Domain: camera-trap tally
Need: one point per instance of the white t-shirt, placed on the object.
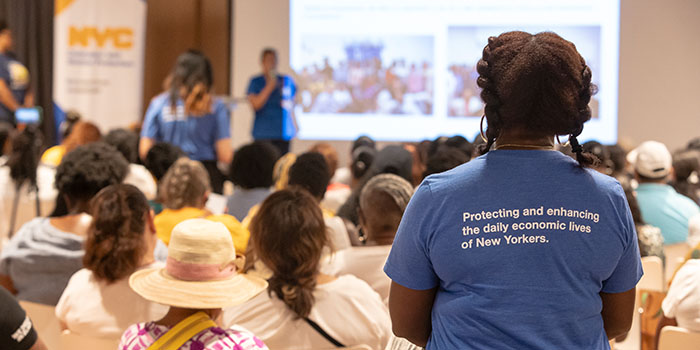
(96, 309)
(142, 179)
(347, 309)
(366, 263)
(337, 233)
(683, 299)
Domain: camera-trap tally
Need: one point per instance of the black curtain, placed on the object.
(31, 23)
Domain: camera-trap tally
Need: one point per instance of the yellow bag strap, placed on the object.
(182, 332)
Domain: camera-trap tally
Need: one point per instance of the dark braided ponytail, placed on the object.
(490, 96)
(535, 83)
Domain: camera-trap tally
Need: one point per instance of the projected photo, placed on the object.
(389, 75)
(465, 45)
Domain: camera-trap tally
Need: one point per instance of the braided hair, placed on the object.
(184, 184)
(538, 83)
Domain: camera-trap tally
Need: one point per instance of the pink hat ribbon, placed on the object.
(199, 272)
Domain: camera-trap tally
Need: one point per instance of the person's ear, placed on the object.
(150, 222)
(205, 198)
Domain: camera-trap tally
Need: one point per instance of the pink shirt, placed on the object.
(141, 335)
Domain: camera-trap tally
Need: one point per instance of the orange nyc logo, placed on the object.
(120, 37)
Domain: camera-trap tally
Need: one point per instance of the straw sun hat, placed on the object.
(200, 272)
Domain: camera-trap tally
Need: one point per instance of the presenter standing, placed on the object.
(14, 80)
(189, 117)
(272, 97)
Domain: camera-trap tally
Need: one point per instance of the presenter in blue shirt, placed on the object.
(272, 97)
(522, 247)
(14, 80)
(188, 116)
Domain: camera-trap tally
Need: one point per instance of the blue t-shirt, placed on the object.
(274, 120)
(196, 135)
(670, 211)
(16, 77)
(519, 245)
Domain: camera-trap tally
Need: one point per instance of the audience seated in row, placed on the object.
(127, 142)
(121, 239)
(659, 203)
(200, 278)
(382, 203)
(40, 258)
(184, 190)
(251, 175)
(288, 235)
(81, 133)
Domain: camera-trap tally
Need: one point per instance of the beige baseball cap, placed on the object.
(651, 159)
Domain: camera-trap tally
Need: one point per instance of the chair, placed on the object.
(653, 278)
(677, 338)
(675, 253)
(45, 322)
(71, 340)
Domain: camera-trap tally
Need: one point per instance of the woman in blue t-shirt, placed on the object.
(522, 247)
(189, 117)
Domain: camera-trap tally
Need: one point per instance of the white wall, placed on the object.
(659, 95)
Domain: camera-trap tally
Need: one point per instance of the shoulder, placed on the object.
(257, 80)
(137, 334)
(348, 286)
(240, 336)
(160, 99)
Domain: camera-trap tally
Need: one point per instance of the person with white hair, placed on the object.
(382, 204)
(660, 204)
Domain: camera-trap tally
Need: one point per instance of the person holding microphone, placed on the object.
(271, 96)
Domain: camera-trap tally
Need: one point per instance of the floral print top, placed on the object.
(141, 335)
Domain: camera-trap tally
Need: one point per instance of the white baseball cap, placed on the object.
(651, 159)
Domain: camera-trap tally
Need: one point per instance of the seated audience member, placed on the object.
(686, 166)
(651, 242)
(184, 191)
(280, 173)
(344, 175)
(98, 301)
(310, 172)
(158, 160)
(303, 308)
(199, 279)
(681, 307)
(39, 260)
(127, 143)
(659, 203)
(390, 160)
(420, 158)
(251, 174)
(81, 133)
(361, 161)
(444, 159)
(20, 175)
(16, 329)
(382, 203)
(337, 193)
(462, 144)
(618, 162)
(601, 152)
(161, 157)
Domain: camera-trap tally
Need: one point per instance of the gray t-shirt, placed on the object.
(40, 259)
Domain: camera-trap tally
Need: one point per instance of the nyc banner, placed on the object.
(98, 59)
